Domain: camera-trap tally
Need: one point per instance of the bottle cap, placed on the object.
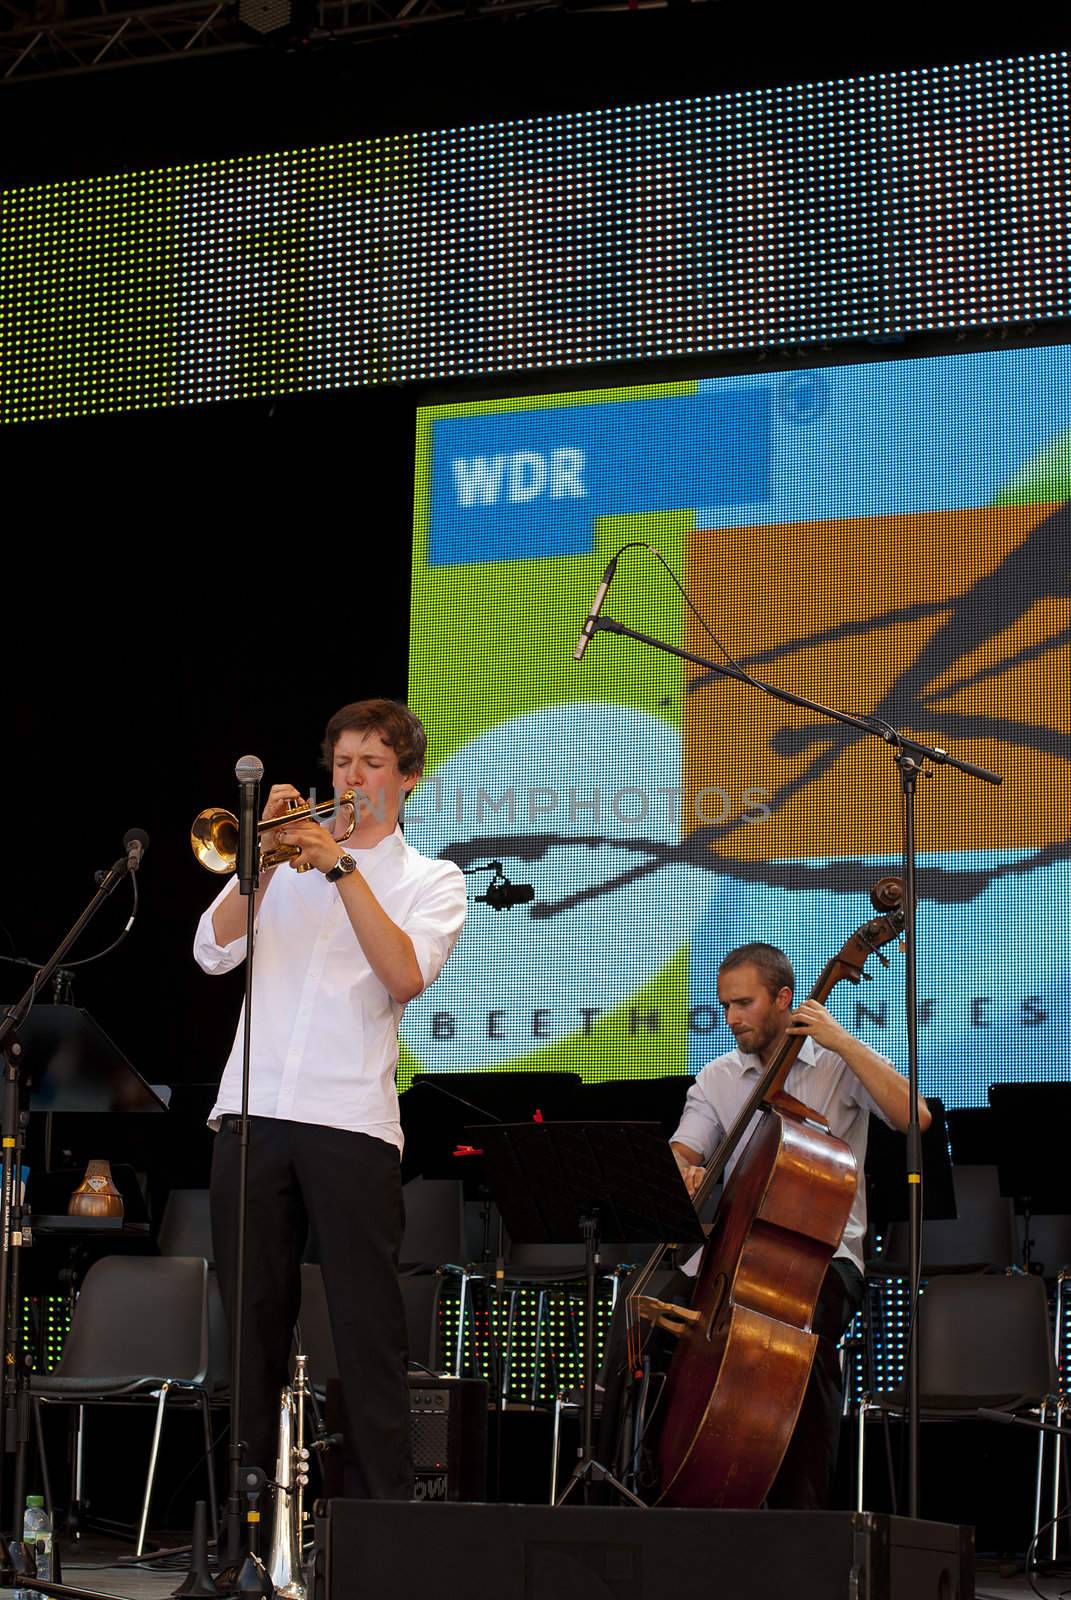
(37, 1501)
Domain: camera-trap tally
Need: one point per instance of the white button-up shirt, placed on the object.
(324, 1036)
(820, 1079)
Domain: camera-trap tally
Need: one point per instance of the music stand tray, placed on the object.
(562, 1182)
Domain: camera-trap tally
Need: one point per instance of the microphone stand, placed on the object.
(236, 1549)
(14, 1387)
(910, 759)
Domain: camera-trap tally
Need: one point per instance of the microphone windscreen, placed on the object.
(250, 769)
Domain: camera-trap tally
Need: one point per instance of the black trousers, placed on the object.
(346, 1188)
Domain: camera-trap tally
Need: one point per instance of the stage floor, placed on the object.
(92, 1564)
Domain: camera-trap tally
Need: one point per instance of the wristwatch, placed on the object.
(342, 868)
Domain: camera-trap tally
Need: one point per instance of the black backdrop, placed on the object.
(183, 588)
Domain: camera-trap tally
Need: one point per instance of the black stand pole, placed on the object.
(14, 1392)
(911, 758)
(587, 1470)
(245, 1480)
(909, 771)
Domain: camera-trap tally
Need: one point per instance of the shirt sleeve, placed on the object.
(855, 1092)
(210, 956)
(700, 1127)
(436, 919)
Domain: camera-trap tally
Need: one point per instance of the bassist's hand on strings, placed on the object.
(878, 1076)
(690, 1165)
(810, 1016)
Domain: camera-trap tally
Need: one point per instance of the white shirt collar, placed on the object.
(752, 1065)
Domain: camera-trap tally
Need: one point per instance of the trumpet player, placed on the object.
(340, 951)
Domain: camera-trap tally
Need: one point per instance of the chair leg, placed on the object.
(1061, 1451)
(555, 1445)
(462, 1308)
(157, 1430)
(79, 1465)
(537, 1357)
(505, 1355)
(1058, 1419)
(210, 1460)
(860, 1449)
(889, 1468)
(46, 1481)
(1042, 1412)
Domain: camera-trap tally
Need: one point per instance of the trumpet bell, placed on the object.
(214, 839)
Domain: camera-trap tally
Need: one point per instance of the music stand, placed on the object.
(886, 1195)
(563, 1182)
(658, 1099)
(437, 1108)
(1030, 1123)
(72, 1065)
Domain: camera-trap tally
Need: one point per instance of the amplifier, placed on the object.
(448, 1429)
(614, 1553)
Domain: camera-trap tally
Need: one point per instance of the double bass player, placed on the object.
(839, 1076)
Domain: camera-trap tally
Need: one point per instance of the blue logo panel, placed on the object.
(520, 484)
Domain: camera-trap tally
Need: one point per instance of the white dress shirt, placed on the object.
(820, 1079)
(324, 1036)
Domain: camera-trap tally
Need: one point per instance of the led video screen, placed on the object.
(897, 202)
(889, 537)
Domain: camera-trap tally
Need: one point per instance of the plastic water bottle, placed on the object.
(37, 1533)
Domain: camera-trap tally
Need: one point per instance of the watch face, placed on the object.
(345, 864)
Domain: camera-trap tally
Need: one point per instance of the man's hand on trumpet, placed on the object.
(317, 846)
(278, 795)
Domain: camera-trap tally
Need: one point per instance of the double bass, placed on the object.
(746, 1346)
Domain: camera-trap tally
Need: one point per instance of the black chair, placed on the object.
(982, 1234)
(139, 1335)
(434, 1224)
(186, 1230)
(984, 1340)
(186, 1225)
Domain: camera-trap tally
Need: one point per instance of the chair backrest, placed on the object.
(982, 1234)
(569, 1258)
(434, 1222)
(140, 1317)
(186, 1225)
(985, 1337)
(1050, 1242)
(420, 1294)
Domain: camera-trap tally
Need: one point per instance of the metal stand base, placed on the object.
(591, 1471)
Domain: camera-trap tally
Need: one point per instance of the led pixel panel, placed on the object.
(888, 537)
(870, 207)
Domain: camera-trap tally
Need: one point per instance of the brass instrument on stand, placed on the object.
(286, 1556)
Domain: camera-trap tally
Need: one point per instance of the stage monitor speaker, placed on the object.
(615, 1553)
(448, 1430)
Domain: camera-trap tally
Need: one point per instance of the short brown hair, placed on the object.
(774, 966)
(396, 725)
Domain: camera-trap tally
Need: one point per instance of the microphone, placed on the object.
(135, 843)
(596, 606)
(501, 896)
(249, 772)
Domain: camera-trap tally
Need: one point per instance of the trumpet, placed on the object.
(214, 834)
(286, 1558)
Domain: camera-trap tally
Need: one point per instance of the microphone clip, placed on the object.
(501, 894)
